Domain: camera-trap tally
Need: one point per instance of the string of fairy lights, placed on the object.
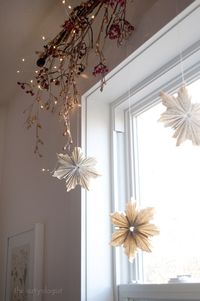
(64, 59)
(67, 7)
(43, 37)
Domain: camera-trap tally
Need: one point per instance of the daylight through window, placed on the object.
(168, 178)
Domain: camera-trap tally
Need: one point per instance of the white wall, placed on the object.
(99, 272)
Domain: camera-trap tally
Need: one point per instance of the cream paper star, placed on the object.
(133, 229)
(76, 169)
(182, 116)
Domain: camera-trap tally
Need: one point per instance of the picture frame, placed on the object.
(24, 264)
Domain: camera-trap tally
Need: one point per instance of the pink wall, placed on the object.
(3, 111)
(28, 196)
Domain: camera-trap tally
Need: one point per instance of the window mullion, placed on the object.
(132, 184)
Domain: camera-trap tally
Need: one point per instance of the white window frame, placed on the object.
(103, 114)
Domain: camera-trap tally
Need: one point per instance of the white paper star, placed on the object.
(182, 116)
(76, 169)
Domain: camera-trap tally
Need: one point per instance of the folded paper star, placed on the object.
(182, 116)
(76, 169)
(133, 229)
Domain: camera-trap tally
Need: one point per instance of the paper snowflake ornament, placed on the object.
(182, 116)
(133, 229)
(76, 169)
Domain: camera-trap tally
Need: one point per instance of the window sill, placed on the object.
(171, 291)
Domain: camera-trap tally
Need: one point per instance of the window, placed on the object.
(108, 123)
(159, 174)
(168, 179)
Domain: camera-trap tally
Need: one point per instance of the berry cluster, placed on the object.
(42, 78)
(68, 25)
(114, 32)
(128, 28)
(100, 69)
(28, 89)
(112, 3)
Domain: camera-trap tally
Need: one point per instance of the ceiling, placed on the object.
(23, 23)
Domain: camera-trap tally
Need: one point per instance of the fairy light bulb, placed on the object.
(63, 1)
(69, 6)
(23, 59)
(85, 76)
(43, 38)
(18, 71)
(45, 170)
(31, 81)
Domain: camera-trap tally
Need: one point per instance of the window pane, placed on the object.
(169, 179)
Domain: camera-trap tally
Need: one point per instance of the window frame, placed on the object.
(141, 91)
(134, 108)
(131, 143)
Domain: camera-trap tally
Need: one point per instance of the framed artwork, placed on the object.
(24, 265)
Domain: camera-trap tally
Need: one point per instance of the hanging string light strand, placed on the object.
(65, 58)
